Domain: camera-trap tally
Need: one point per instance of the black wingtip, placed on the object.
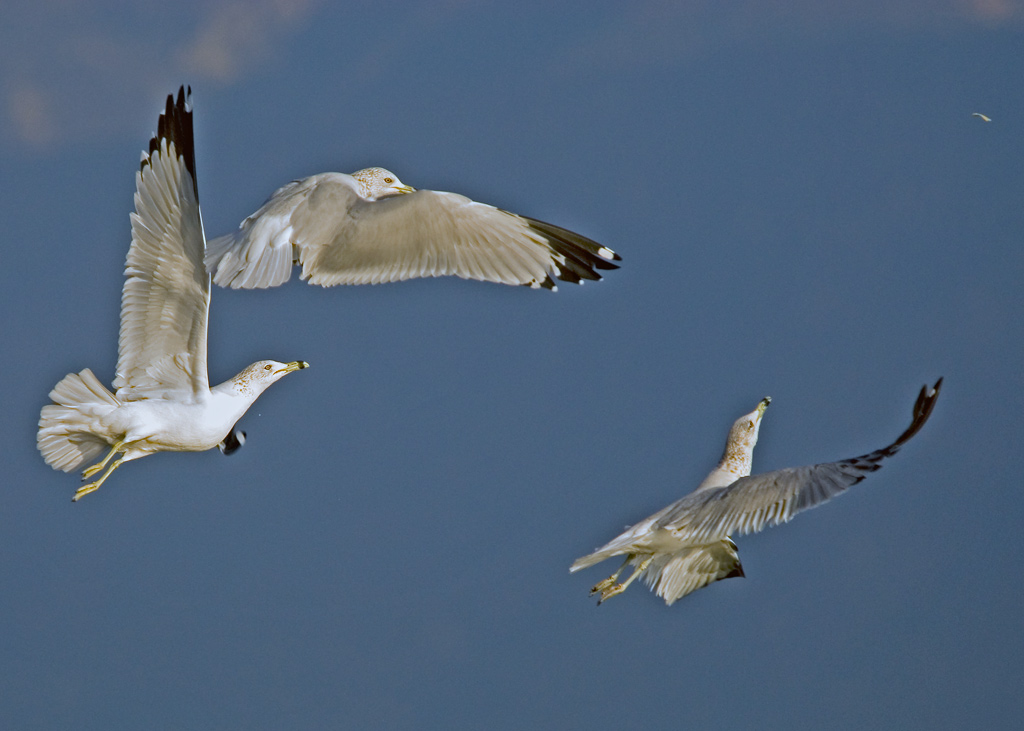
(175, 125)
(923, 408)
(925, 404)
(581, 257)
(736, 573)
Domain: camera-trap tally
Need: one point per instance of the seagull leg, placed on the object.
(615, 589)
(604, 585)
(94, 486)
(90, 471)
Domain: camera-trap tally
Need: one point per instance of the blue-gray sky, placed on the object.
(805, 208)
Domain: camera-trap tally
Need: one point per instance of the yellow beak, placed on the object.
(295, 365)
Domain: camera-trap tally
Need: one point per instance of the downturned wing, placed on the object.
(431, 234)
(752, 503)
(674, 575)
(166, 298)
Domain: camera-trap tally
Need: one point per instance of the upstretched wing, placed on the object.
(341, 238)
(166, 298)
(752, 503)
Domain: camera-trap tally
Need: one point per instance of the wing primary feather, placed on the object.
(172, 127)
(586, 251)
(751, 503)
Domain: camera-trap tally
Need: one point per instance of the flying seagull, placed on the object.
(162, 400)
(980, 116)
(369, 228)
(686, 545)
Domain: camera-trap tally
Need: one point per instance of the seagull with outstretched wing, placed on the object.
(369, 228)
(163, 400)
(687, 545)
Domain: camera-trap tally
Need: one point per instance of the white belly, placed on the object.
(156, 425)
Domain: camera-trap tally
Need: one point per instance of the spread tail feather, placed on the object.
(65, 437)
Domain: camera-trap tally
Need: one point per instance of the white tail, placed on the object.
(65, 438)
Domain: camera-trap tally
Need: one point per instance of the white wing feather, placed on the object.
(166, 297)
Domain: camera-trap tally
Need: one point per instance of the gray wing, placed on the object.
(341, 238)
(752, 503)
(166, 298)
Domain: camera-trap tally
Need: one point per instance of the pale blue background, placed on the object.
(805, 208)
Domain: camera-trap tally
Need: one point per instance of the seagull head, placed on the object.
(376, 183)
(255, 379)
(739, 449)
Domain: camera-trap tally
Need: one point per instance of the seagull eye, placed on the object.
(389, 180)
(267, 367)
